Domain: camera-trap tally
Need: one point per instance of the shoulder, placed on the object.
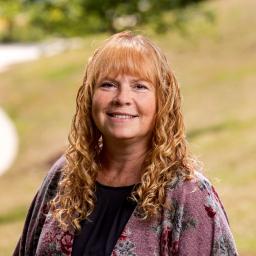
(50, 183)
(197, 184)
(48, 190)
(197, 217)
(55, 170)
(196, 195)
(38, 209)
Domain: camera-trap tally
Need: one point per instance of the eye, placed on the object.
(107, 85)
(140, 87)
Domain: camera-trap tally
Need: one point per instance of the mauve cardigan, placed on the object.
(196, 226)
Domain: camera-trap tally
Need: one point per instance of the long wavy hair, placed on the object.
(168, 156)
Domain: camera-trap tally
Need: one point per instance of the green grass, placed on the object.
(215, 64)
(16, 214)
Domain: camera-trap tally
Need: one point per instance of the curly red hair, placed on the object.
(168, 155)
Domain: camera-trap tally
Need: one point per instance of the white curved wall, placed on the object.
(8, 142)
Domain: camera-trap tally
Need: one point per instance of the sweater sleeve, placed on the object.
(35, 218)
(200, 224)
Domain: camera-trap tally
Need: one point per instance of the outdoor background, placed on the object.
(211, 47)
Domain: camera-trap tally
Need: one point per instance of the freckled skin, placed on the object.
(124, 94)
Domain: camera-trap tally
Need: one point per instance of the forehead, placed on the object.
(113, 62)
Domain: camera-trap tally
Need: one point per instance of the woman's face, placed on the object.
(124, 108)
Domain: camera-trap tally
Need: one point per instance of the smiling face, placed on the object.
(124, 108)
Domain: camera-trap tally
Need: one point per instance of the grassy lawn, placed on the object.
(216, 66)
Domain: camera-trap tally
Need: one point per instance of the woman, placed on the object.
(127, 184)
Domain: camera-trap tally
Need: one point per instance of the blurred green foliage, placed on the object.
(29, 20)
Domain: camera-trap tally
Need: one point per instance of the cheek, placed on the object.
(97, 102)
(100, 102)
(96, 107)
(149, 105)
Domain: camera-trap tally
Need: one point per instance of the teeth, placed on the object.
(122, 116)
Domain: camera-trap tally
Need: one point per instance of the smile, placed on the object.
(121, 115)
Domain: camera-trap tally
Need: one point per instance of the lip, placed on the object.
(110, 113)
(121, 120)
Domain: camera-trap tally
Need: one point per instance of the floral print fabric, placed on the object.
(196, 225)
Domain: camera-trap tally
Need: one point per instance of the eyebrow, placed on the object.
(133, 80)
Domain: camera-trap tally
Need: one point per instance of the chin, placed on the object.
(122, 136)
(121, 133)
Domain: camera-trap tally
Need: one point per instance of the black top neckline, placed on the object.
(129, 187)
(100, 232)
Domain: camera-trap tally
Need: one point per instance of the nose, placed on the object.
(122, 97)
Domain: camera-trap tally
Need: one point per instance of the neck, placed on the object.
(121, 163)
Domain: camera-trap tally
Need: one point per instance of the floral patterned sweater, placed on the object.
(196, 225)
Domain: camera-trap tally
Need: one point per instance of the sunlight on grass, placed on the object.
(16, 214)
(9, 236)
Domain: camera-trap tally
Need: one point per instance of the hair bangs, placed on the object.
(115, 61)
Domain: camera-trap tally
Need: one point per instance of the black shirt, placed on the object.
(100, 233)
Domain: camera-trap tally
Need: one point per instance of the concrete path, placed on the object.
(18, 53)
